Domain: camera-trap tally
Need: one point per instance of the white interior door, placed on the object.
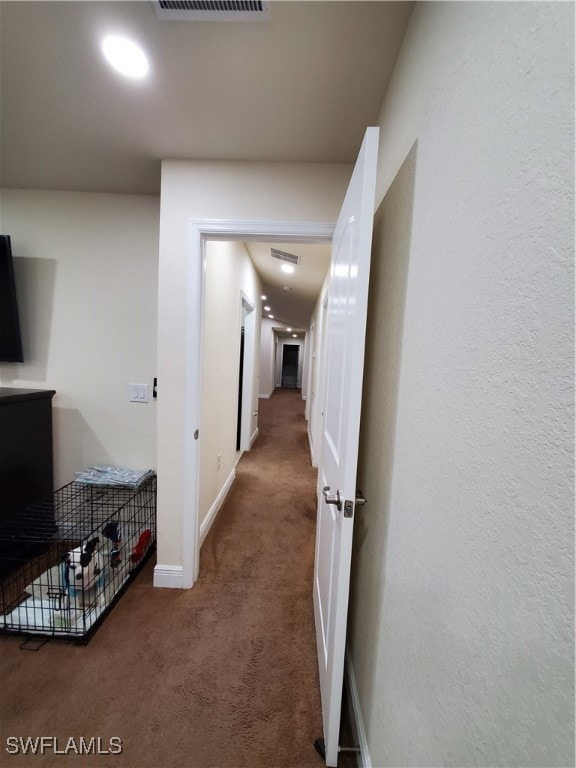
(346, 328)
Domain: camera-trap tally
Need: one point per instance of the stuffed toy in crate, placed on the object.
(84, 573)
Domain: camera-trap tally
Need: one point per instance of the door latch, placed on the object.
(349, 506)
(360, 500)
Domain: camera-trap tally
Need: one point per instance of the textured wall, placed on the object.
(462, 609)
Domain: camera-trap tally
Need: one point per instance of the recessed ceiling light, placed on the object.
(287, 268)
(263, 297)
(295, 335)
(288, 329)
(125, 56)
(271, 317)
(266, 309)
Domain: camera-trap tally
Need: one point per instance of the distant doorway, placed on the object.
(290, 361)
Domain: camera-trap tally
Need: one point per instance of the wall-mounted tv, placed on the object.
(10, 339)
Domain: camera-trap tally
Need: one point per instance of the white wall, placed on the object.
(215, 190)
(87, 270)
(461, 620)
(229, 274)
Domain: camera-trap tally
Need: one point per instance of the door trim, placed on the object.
(199, 231)
(279, 362)
(248, 371)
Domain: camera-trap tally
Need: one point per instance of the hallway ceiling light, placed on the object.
(271, 317)
(288, 329)
(266, 309)
(263, 297)
(125, 57)
(288, 268)
(295, 335)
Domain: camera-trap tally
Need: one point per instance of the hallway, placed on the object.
(221, 675)
(256, 569)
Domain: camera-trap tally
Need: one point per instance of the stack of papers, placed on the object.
(120, 476)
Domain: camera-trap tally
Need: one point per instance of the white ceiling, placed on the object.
(301, 87)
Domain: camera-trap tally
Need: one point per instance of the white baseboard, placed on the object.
(264, 397)
(254, 436)
(171, 576)
(206, 524)
(358, 731)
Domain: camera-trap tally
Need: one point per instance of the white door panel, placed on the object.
(346, 327)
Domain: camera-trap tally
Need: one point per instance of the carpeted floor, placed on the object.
(221, 675)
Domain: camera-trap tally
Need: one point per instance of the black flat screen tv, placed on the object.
(10, 339)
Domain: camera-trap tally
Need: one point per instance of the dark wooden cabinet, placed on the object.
(26, 469)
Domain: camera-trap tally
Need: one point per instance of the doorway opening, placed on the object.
(290, 365)
(199, 234)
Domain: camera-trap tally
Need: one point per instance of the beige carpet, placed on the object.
(221, 675)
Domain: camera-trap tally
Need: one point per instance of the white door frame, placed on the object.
(199, 231)
(247, 435)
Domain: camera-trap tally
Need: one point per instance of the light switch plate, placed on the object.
(139, 393)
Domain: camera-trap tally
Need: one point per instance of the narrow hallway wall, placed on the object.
(229, 274)
(462, 612)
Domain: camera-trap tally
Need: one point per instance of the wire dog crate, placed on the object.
(69, 561)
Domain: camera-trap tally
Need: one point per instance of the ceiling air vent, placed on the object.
(283, 256)
(212, 10)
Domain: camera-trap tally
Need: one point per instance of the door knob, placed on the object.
(332, 499)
